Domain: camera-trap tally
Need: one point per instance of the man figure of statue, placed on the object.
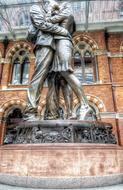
(63, 57)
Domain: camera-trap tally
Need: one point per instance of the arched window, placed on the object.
(20, 73)
(23, 18)
(25, 71)
(121, 9)
(85, 64)
(14, 116)
(89, 68)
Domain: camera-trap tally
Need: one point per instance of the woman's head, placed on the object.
(53, 7)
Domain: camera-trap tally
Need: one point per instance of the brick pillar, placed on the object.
(6, 74)
(121, 131)
(119, 103)
(2, 133)
(117, 69)
(2, 128)
(103, 68)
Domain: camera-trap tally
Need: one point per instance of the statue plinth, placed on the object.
(60, 131)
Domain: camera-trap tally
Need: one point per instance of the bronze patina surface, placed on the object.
(50, 31)
(60, 131)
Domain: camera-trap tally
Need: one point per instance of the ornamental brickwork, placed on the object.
(105, 94)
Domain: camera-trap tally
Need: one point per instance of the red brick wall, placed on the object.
(121, 130)
(117, 69)
(103, 69)
(119, 98)
(114, 41)
(102, 91)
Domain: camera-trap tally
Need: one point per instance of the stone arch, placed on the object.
(10, 104)
(86, 39)
(18, 46)
(94, 101)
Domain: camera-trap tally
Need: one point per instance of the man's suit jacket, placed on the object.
(42, 30)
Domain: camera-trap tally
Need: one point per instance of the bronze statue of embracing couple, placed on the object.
(52, 26)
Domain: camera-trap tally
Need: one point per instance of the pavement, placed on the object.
(114, 187)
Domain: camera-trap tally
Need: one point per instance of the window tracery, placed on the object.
(85, 63)
(20, 70)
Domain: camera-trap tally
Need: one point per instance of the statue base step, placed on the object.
(61, 165)
(61, 182)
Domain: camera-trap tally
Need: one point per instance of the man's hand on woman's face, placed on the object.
(54, 12)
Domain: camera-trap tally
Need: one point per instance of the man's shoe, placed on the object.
(84, 111)
(30, 117)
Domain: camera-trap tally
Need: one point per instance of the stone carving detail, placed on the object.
(96, 134)
(63, 132)
(39, 135)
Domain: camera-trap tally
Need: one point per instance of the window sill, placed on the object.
(18, 85)
(95, 84)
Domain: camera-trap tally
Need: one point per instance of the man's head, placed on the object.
(52, 6)
(44, 3)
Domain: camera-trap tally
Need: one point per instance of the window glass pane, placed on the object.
(78, 66)
(78, 73)
(89, 72)
(89, 67)
(25, 71)
(16, 72)
(87, 54)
